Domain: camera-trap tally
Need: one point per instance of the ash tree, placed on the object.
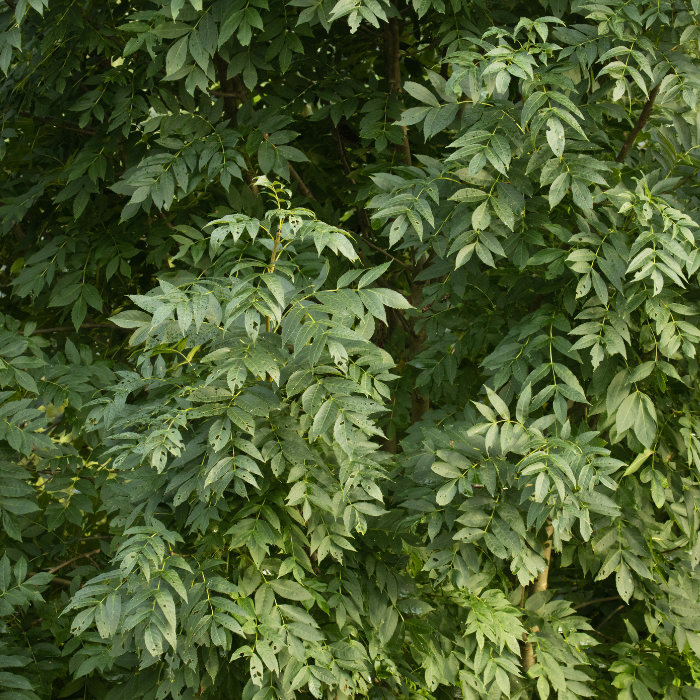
(349, 349)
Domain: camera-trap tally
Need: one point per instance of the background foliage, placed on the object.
(349, 349)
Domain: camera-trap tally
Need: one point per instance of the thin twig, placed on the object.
(375, 37)
(412, 334)
(302, 186)
(361, 213)
(227, 90)
(615, 611)
(346, 165)
(70, 561)
(641, 123)
(388, 254)
(231, 113)
(55, 579)
(162, 215)
(685, 179)
(597, 600)
(67, 126)
(63, 329)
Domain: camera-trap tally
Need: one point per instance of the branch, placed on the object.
(55, 579)
(162, 215)
(361, 213)
(597, 600)
(344, 160)
(641, 123)
(411, 333)
(68, 126)
(387, 253)
(63, 329)
(218, 93)
(228, 92)
(234, 89)
(614, 612)
(685, 179)
(369, 33)
(70, 561)
(302, 186)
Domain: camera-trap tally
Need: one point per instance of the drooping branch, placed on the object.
(641, 123)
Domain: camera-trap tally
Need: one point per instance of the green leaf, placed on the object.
(481, 217)
(172, 577)
(325, 417)
(12, 680)
(582, 196)
(112, 612)
(637, 462)
(289, 589)
(627, 413)
(555, 136)
(198, 53)
(421, 93)
(307, 632)
(559, 188)
(78, 312)
(177, 55)
(373, 274)
(387, 297)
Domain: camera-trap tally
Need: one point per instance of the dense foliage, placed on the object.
(349, 349)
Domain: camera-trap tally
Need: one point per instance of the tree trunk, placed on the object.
(393, 67)
(540, 584)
